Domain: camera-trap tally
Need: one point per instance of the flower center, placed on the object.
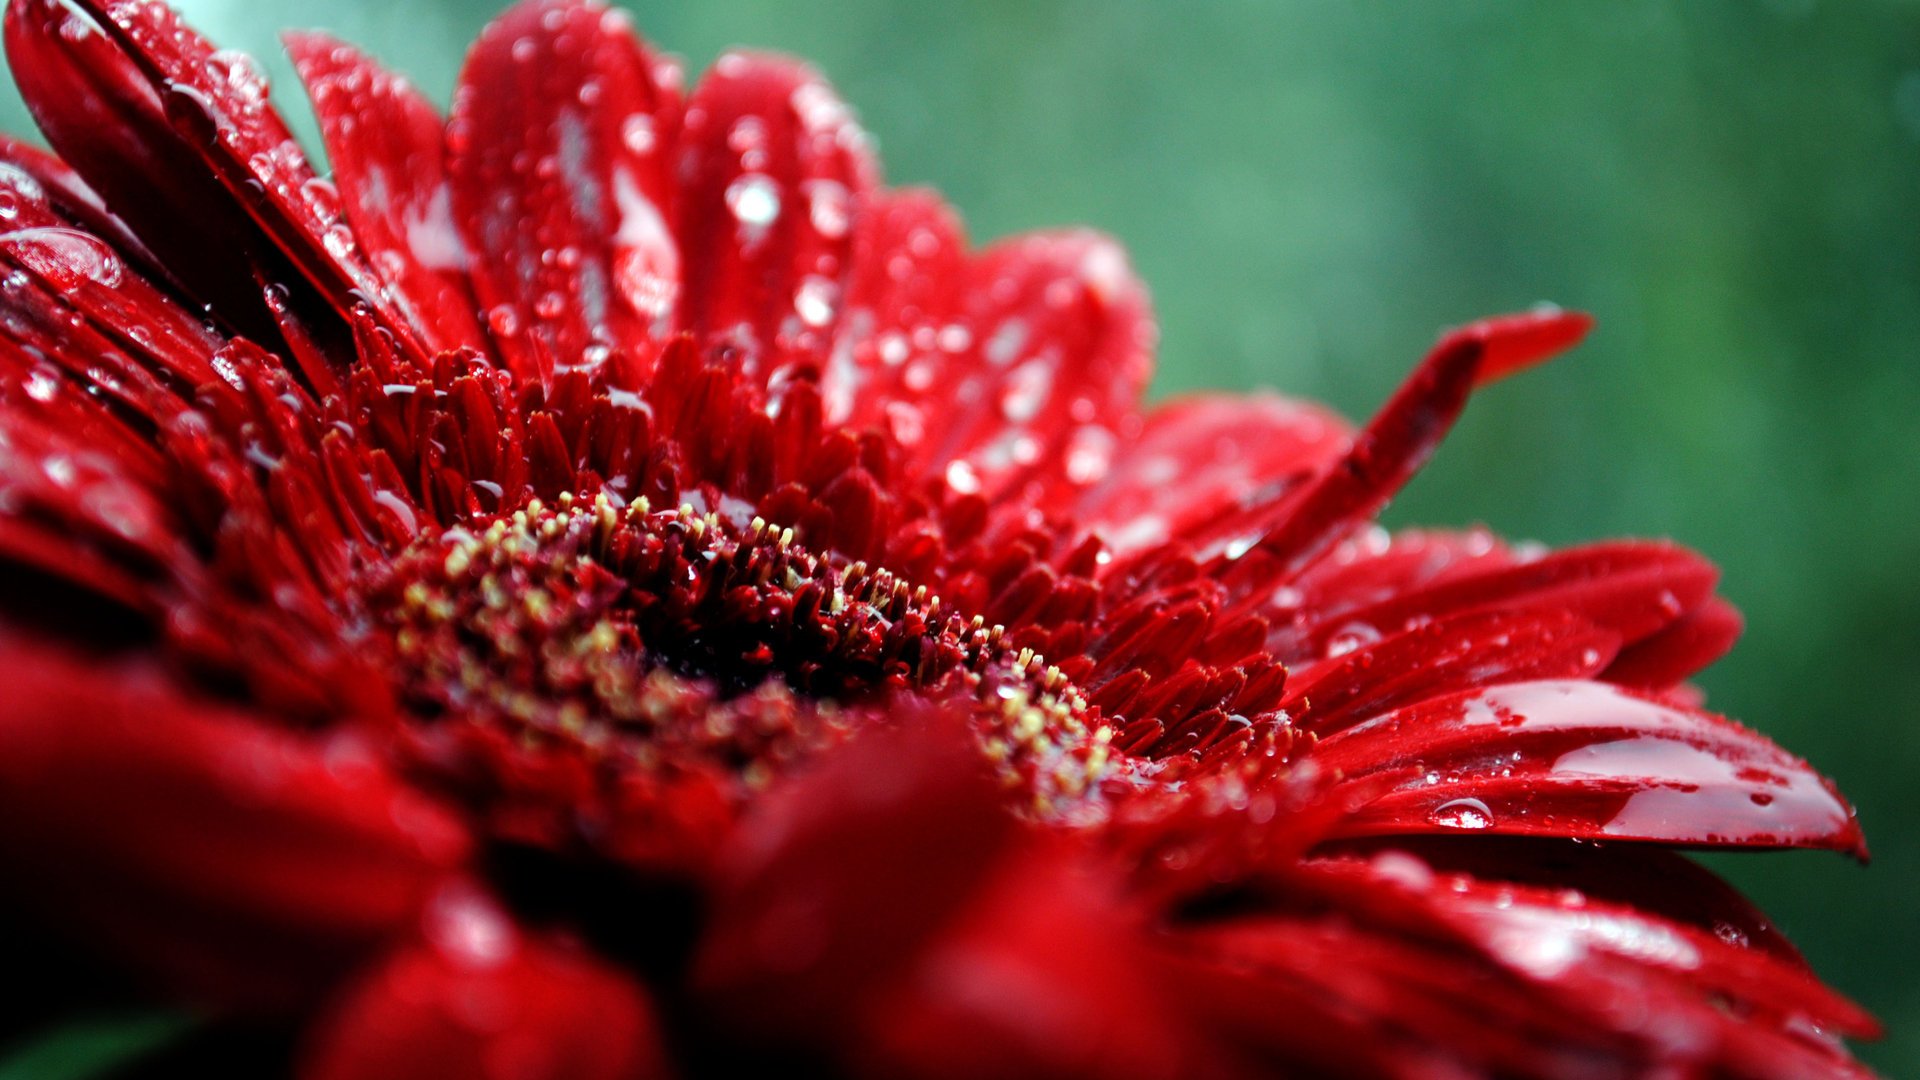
(653, 637)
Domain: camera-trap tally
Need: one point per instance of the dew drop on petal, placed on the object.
(1462, 814)
(754, 200)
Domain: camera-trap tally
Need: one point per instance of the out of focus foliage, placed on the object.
(1314, 189)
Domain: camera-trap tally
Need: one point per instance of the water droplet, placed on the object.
(339, 241)
(962, 479)
(504, 320)
(816, 300)
(754, 200)
(638, 133)
(829, 207)
(1462, 814)
(65, 258)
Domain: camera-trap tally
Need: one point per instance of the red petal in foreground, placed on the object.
(561, 139)
(476, 999)
(1584, 759)
(263, 862)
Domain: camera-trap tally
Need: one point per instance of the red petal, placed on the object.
(837, 881)
(476, 1000)
(1402, 436)
(1631, 588)
(1202, 455)
(85, 276)
(232, 860)
(1663, 660)
(1041, 977)
(105, 120)
(774, 175)
(1463, 652)
(385, 141)
(909, 255)
(562, 134)
(1053, 348)
(1585, 759)
(204, 114)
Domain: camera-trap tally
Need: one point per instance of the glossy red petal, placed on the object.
(1050, 352)
(1402, 436)
(1449, 655)
(1584, 759)
(386, 144)
(478, 998)
(240, 863)
(81, 275)
(74, 200)
(560, 151)
(204, 114)
(1662, 661)
(1200, 456)
(909, 254)
(1630, 588)
(774, 175)
(110, 126)
(1429, 973)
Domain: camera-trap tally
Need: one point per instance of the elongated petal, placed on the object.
(909, 253)
(1200, 456)
(1444, 657)
(774, 173)
(479, 998)
(1583, 759)
(1630, 588)
(1051, 351)
(238, 862)
(1403, 435)
(202, 114)
(1685, 646)
(560, 145)
(1434, 973)
(105, 121)
(386, 143)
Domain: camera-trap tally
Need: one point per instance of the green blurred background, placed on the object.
(1314, 189)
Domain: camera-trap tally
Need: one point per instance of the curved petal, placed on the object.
(1662, 660)
(1290, 534)
(111, 127)
(236, 861)
(1631, 588)
(386, 144)
(1203, 455)
(559, 151)
(909, 253)
(230, 162)
(1585, 759)
(1447, 656)
(477, 998)
(1427, 973)
(835, 882)
(774, 173)
(1051, 349)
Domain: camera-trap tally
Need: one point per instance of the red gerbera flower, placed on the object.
(604, 588)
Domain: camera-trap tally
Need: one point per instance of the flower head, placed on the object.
(603, 585)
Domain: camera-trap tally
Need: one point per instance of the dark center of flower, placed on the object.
(647, 636)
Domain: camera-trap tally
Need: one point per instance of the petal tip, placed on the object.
(1513, 343)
